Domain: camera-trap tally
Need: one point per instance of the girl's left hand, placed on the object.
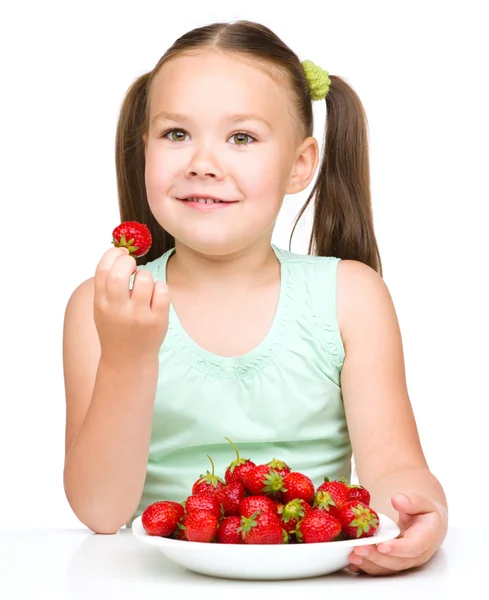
(423, 528)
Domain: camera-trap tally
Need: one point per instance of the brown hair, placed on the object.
(343, 222)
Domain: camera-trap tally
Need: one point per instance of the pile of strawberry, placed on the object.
(264, 504)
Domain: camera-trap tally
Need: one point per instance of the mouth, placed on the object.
(206, 200)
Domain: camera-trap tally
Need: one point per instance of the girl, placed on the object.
(217, 332)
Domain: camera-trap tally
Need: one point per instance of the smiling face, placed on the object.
(221, 127)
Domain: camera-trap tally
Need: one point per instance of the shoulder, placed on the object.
(83, 292)
(80, 304)
(363, 299)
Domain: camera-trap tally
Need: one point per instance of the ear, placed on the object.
(304, 167)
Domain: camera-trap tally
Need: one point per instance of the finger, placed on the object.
(415, 541)
(102, 271)
(118, 292)
(142, 289)
(370, 568)
(375, 561)
(413, 503)
(160, 301)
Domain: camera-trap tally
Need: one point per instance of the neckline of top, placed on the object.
(231, 366)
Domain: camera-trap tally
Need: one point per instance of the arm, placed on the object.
(108, 422)
(382, 427)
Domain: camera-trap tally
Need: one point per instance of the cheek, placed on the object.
(263, 174)
(157, 178)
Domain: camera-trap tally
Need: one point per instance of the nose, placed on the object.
(204, 164)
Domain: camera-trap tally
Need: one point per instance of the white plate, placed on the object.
(255, 561)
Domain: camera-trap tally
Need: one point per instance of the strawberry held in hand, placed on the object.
(134, 236)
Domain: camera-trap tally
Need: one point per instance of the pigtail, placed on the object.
(130, 167)
(343, 221)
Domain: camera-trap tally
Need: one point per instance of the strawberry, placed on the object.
(228, 531)
(262, 528)
(257, 504)
(160, 518)
(318, 526)
(280, 466)
(200, 526)
(230, 497)
(360, 493)
(180, 533)
(331, 496)
(208, 483)
(297, 486)
(178, 507)
(334, 493)
(238, 467)
(293, 512)
(358, 520)
(263, 480)
(134, 236)
(204, 501)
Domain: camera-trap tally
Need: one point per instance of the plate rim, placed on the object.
(170, 543)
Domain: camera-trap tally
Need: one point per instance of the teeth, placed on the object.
(203, 200)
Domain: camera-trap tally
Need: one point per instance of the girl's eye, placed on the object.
(240, 138)
(176, 135)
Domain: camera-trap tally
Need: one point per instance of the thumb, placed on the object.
(412, 503)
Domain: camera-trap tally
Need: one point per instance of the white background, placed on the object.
(420, 70)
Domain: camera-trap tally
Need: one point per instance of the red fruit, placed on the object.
(257, 504)
(318, 526)
(228, 531)
(238, 467)
(178, 507)
(204, 501)
(134, 236)
(263, 528)
(298, 486)
(293, 512)
(160, 518)
(263, 480)
(360, 494)
(200, 526)
(230, 497)
(208, 483)
(280, 466)
(336, 493)
(180, 533)
(358, 520)
(323, 501)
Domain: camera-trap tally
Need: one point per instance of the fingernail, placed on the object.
(402, 499)
(384, 549)
(362, 551)
(356, 560)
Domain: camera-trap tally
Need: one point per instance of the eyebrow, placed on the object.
(239, 118)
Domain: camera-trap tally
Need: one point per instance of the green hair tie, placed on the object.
(318, 80)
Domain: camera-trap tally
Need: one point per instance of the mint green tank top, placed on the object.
(280, 400)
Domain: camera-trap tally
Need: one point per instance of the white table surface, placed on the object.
(76, 563)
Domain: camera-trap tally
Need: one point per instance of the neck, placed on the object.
(193, 270)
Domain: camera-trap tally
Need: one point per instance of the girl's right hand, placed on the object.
(131, 324)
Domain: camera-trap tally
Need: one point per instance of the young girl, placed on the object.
(217, 333)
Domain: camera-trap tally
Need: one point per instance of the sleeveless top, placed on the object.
(281, 400)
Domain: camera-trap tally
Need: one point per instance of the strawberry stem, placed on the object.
(212, 465)
(234, 446)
